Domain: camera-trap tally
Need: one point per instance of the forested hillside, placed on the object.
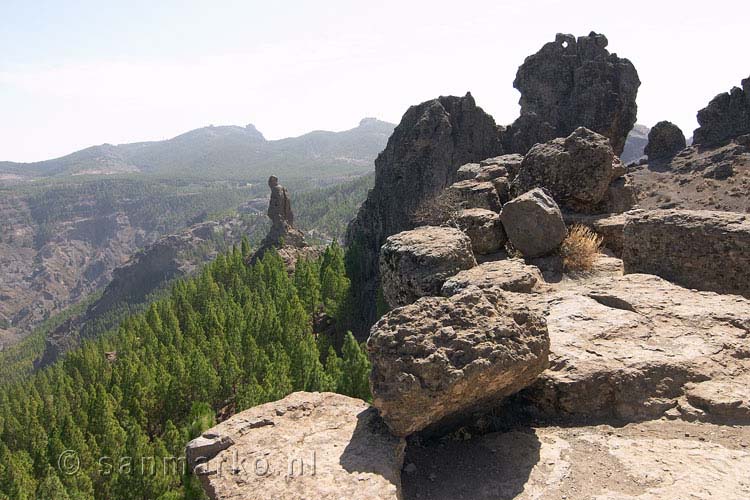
(230, 338)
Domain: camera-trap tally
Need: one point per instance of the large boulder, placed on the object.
(420, 160)
(440, 359)
(307, 445)
(695, 248)
(727, 116)
(483, 228)
(573, 83)
(416, 263)
(533, 223)
(664, 141)
(576, 170)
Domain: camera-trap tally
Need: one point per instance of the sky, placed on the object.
(78, 73)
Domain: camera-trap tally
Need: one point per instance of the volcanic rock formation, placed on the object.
(727, 116)
(433, 139)
(571, 83)
(288, 241)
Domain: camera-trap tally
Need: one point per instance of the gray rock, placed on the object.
(416, 263)
(533, 223)
(719, 172)
(621, 196)
(483, 228)
(664, 141)
(727, 116)
(576, 170)
(440, 359)
(420, 160)
(695, 248)
(473, 193)
(573, 83)
(467, 172)
(511, 163)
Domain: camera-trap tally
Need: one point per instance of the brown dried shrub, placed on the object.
(579, 249)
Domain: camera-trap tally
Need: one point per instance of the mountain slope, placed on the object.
(225, 151)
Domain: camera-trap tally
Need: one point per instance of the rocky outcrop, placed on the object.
(727, 116)
(421, 159)
(697, 178)
(664, 141)
(573, 83)
(282, 232)
(436, 361)
(533, 223)
(416, 263)
(288, 241)
(307, 445)
(511, 275)
(483, 228)
(698, 249)
(634, 347)
(576, 170)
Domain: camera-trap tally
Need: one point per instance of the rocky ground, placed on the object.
(518, 358)
(648, 460)
(715, 178)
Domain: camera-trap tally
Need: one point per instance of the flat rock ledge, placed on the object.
(305, 446)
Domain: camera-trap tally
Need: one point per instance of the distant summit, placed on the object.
(225, 152)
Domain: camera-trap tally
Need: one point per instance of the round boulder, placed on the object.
(484, 229)
(664, 141)
(533, 223)
(416, 263)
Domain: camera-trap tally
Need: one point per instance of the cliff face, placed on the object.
(421, 158)
(147, 271)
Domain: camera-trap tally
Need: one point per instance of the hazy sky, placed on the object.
(77, 73)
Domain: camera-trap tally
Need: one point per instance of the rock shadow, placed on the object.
(372, 448)
(495, 466)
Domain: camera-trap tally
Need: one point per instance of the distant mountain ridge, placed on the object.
(225, 151)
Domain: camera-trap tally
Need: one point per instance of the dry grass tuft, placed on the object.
(579, 249)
